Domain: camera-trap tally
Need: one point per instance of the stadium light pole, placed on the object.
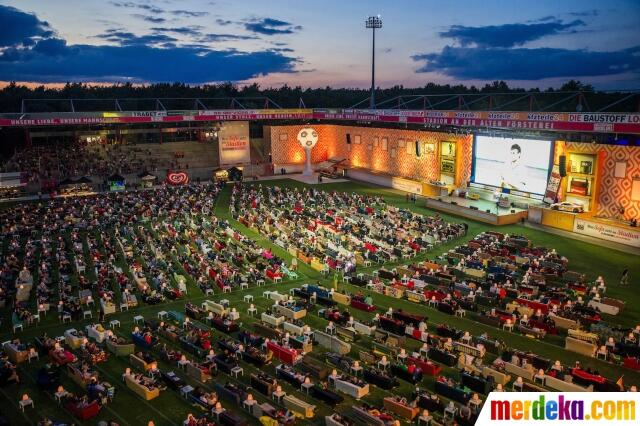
(373, 22)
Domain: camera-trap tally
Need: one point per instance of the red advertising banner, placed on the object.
(552, 121)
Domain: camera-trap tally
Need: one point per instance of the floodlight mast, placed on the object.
(373, 22)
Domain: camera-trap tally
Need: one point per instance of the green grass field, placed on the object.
(171, 409)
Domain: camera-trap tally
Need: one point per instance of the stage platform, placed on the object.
(309, 180)
(484, 209)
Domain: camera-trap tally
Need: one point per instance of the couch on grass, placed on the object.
(580, 346)
(139, 363)
(272, 320)
(292, 314)
(352, 389)
(400, 408)
(83, 411)
(299, 406)
(200, 374)
(564, 386)
(331, 342)
(141, 390)
(363, 416)
(72, 338)
(118, 349)
(216, 308)
(498, 376)
(15, 354)
(96, 332)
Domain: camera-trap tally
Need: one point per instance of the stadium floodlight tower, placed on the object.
(373, 22)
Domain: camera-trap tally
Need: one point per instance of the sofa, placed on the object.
(289, 313)
(341, 298)
(232, 393)
(288, 356)
(326, 395)
(452, 392)
(194, 370)
(498, 376)
(564, 386)
(429, 368)
(364, 329)
(526, 373)
(400, 408)
(188, 346)
(76, 375)
(141, 390)
(263, 384)
(347, 333)
(380, 378)
(15, 355)
(120, 349)
(61, 356)
(299, 406)
(72, 338)
(83, 412)
(408, 373)
(564, 323)
(294, 329)
(227, 418)
(139, 363)
(331, 342)
(476, 383)
(580, 346)
(352, 389)
(225, 364)
(362, 416)
(314, 368)
(442, 356)
(96, 332)
(216, 308)
(272, 319)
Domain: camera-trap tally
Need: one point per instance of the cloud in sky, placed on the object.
(21, 27)
(493, 63)
(125, 38)
(132, 5)
(508, 35)
(151, 57)
(152, 19)
(192, 30)
(271, 26)
(60, 63)
(189, 13)
(210, 38)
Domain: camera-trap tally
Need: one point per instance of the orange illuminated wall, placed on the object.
(612, 192)
(389, 151)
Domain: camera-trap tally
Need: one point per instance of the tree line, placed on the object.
(215, 96)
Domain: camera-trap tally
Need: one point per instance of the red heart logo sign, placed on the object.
(177, 178)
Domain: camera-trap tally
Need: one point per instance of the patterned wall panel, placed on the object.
(369, 152)
(614, 193)
(466, 158)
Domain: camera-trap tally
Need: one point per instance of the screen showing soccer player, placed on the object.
(514, 164)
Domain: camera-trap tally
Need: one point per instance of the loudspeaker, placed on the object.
(488, 211)
(513, 211)
(473, 207)
(563, 165)
(418, 149)
(349, 138)
(454, 203)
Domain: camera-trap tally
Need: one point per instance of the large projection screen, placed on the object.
(511, 163)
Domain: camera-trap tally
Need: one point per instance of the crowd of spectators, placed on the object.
(56, 162)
